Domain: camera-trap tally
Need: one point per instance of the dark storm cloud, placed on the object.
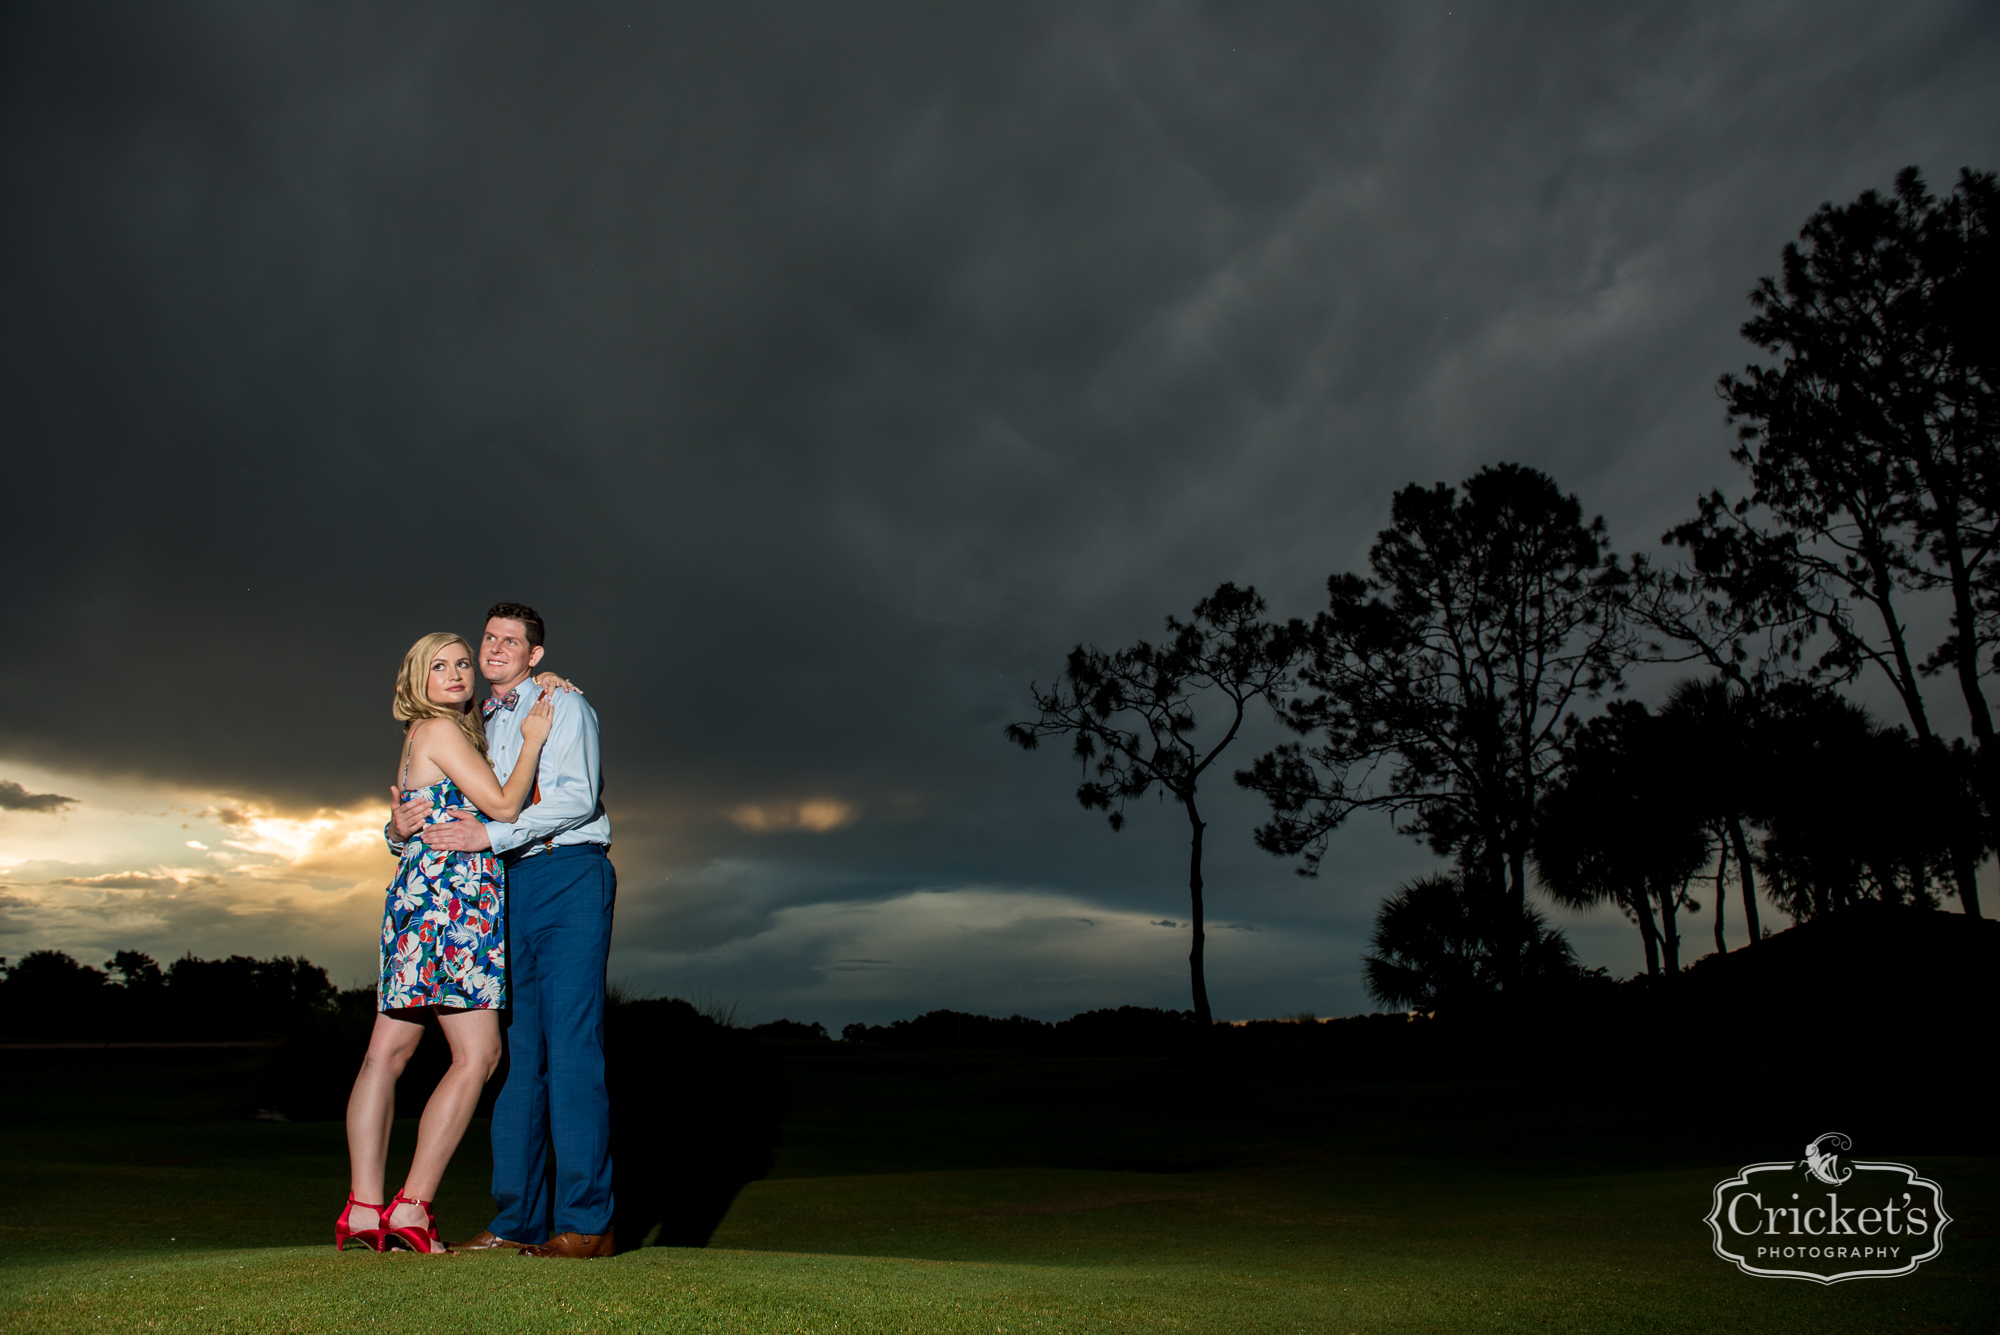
(13, 797)
(823, 372)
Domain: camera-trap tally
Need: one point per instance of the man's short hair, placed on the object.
(522, 613)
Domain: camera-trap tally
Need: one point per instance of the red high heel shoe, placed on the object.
(409, 1237)
(367, 1237)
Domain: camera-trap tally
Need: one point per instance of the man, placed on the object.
(560, 891)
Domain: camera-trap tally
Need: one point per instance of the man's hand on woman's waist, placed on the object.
(463, 833)
(406, 815)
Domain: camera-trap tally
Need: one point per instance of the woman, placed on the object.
(443, 945)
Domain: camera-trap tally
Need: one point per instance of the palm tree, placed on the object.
(1712, 723)
(1441, 944)
(1620, 828)
(1859, 811)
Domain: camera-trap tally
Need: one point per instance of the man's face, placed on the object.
(504, 654)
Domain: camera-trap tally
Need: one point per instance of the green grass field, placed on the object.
(155, 1210)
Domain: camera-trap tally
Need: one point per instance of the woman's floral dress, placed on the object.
(444, 932)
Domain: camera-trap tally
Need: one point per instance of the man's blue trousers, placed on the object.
(558, 934)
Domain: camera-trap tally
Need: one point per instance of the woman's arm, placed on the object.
(449, 750)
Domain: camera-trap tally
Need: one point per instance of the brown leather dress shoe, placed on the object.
(576, 1246)
(486, 1242)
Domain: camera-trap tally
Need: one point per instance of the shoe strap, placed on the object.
(430, 1215)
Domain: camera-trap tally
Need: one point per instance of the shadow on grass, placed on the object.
(697, 1108)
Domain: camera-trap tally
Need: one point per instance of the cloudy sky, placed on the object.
(823, 373)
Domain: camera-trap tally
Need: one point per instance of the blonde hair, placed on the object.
(413, 703)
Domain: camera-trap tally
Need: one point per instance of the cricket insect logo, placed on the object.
(1821, 1163)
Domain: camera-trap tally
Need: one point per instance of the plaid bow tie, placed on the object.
(495, 703)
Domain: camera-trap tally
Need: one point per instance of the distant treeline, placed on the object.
(1894, 975)
(956, 1029)
(1900, 964)
(49, 996)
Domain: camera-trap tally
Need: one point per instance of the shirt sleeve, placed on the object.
(396, 846)
(569, 778)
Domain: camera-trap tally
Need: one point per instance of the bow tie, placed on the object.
(495, 703)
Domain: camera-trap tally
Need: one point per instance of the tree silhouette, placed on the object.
(1442, 681)
(137, 973)
(1872, 460)
(1751, 641)
(1711, 725)
(1131, 715)
(1622, 827)
(50, 994)
(1443, 947)
(1864, 812)
(47, 994)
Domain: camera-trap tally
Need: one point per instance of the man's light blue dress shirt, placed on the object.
(571, 809)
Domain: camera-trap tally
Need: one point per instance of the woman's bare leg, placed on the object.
(371, 1110)
(475, 1052)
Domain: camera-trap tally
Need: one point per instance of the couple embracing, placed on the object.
(498, 923)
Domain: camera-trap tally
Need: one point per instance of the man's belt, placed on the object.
(535, 846)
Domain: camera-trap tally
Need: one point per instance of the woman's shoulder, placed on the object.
(434, 730)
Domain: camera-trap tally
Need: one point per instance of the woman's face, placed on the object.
(450, 680)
